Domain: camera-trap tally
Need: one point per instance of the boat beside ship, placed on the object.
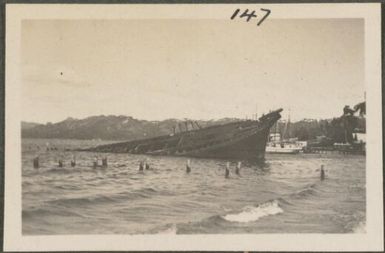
(278, 146)
(284, 144)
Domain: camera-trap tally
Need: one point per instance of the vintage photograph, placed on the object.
(159, 126)
(247, 124)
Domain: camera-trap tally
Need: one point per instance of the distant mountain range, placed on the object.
(28, 125)
(122, 128)
(108, 128)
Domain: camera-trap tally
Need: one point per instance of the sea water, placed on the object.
(284, 195)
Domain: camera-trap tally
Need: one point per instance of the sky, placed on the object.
(197, 69)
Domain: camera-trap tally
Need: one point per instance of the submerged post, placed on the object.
(36, 162)
(322, 172)
(188, 168)
(95, 163)
(238, 168)
(141, 166)
(73, 161)
(227, 173)
(104, 162)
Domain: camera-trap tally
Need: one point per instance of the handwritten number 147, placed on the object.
(251, 15)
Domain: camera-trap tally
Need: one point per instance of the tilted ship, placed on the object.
(244, 140)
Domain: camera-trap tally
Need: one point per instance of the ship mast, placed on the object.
(288, 125)
(285, 132)
(256, 111)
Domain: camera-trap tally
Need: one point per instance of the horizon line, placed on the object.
(178, 119)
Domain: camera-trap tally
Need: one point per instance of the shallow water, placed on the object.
(285, 195)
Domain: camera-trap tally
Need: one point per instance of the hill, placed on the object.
(128, 128)
(28, 125)
(108, 128)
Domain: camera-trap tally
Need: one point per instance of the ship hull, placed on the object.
(243, 140)
(249, 148)
(282, 150)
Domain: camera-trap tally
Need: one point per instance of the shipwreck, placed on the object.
(244, 139)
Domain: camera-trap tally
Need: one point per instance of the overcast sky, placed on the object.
(199, 69)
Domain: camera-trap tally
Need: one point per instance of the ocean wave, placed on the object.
(103, 199)
(40, 212)
(254, 213)
(284, 202)
(61, 170)
(307, 191)
(168, 230)
(68, 187)
(82, 200)
(360, 228)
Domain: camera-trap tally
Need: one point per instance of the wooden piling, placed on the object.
(322, 173)
(188, 168)
(36, 162)
(238, 168)
(104, 162)
(227, 173)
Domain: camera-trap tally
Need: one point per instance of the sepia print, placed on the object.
(244, 123)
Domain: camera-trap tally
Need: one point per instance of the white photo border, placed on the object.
(372, 240)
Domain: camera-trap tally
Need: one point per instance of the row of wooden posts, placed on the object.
(227, 169)
(142, 165)
(95, 164)
(145, 166)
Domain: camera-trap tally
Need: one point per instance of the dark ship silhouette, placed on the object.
(244, 140)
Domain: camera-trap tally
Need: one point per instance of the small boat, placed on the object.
(282, 148)
(279, 145)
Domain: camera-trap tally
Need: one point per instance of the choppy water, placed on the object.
(285, 195)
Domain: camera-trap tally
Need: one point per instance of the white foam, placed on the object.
(252, 213)
(170, 230)
(360, 228)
